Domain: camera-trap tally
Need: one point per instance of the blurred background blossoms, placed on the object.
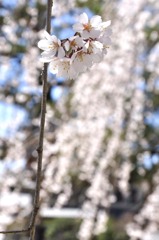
(101, 152)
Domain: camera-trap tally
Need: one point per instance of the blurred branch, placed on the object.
(32, 223)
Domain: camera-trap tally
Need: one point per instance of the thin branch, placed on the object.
(41, 135)
(16, 231)
(31, 227)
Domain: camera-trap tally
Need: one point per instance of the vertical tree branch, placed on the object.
(32, 223)
(41, 134)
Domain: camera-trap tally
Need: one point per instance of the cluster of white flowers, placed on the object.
(71, 56)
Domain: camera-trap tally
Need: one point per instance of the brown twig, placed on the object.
(31, 227)
(16, 231)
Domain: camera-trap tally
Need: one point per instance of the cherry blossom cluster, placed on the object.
(71, 56)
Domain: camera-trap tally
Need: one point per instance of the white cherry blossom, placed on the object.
(51, 46)
(88, 28)
(63, 67)
(95, 50)
(81, 61)
(74, 43)
(94, 46)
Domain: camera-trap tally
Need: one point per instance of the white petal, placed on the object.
(85, 34)
(45, 60)
(52, 38)
(95, 21)
(82, 61)
(54, 66)
(48, 54)
(63, 67)
(105, 24)
(72, 38)
(98, 46)
(55, 39)
(73, 57)
(65, 60)
(94, 33)
(47, 35)
(44, 44)
(78, 27)
(79, 66)
(79, 41)
(87, 60)
(61, 52)
(83, 18)
(67, 45)
(58, 41)
(86, 46)
(73, 72)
